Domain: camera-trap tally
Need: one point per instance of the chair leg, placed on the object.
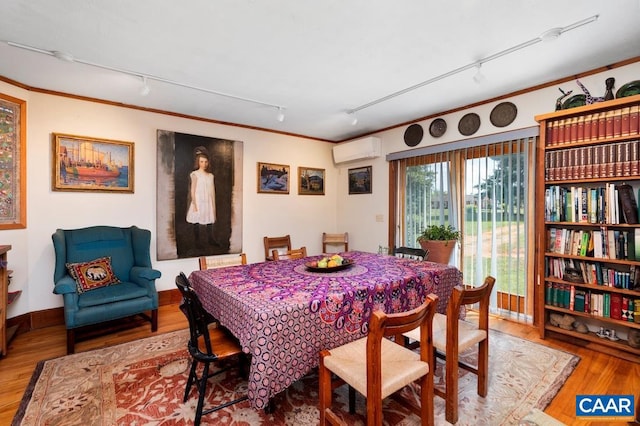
(154, 320)
(483, 367)
(324, 391)
(71, 341)
(202, 388)
(192, 376)
(451, 387)
(352, 400)
(426, 398)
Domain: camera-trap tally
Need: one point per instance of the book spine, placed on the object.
(633, 120)
(625, 126)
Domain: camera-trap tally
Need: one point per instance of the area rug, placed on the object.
(143, 382)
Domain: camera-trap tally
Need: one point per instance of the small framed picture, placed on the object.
(310, 181)
(360, 180)
(82, 163)
(273, 178)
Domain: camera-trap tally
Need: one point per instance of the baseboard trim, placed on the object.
(55, 316)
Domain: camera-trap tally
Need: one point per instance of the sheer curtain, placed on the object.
(484, 189)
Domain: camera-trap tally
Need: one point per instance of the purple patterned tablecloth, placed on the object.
(284, 315)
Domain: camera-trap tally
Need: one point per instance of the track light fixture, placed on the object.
(280, 116)
(68, 57)
(479, 78)
(145, 89)
(547, 35)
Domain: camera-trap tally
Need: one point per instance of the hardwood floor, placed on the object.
(596, 373)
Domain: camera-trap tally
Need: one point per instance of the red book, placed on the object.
(602, 126)
(595, 123)
(561, 127)
(580, 136)
(617, 123)
(633, 120)
(608, 130)
(554, 132)
(587, 128)
(573, 130)
(616, 306)
(625, 122)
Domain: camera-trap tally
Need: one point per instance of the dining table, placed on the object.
(285, 312)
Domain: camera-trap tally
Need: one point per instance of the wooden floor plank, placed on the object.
(596, 373)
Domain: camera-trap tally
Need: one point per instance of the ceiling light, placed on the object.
(280, 116)
(353, 120)
(479, 78)
(551, 34)
(547, 35)
(145, 89)
(63, 56)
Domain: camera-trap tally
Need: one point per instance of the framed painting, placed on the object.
(82, 163)
(310, 181)
(273, 178)
(13, 166)
(360, 180)
(198, 195)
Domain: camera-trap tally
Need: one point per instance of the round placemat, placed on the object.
(413, 135)
(503, 114)
(437, 127)
(469, 124)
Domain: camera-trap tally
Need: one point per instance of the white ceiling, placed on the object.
(316, 59)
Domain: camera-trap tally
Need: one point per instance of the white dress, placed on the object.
(204, 197)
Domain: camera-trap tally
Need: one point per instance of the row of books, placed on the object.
(608, 305)
(594, 127)
(608, 204)
(594, 273)
(597, 243)
(597, 161)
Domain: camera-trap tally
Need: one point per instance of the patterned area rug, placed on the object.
(142, 383)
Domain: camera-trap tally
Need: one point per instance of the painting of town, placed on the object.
(310, 181)
(12, 163)
(88, 164)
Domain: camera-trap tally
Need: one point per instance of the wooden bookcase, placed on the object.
(4, 298)
(588, 158)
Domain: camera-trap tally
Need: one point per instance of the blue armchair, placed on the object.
(135, 294)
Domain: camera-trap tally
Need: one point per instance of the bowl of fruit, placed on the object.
(329, 264)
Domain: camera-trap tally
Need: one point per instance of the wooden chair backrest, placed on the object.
(290, 254)
(271, 243)
(469, 296)
(212, 262)
(335, 239)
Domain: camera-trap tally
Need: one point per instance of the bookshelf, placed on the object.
(587, 227)
(4, 299)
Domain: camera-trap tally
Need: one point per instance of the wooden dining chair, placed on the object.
(410, 253)
(341, 240)
(282, 244)
(290, 254)
(378, 367)
(452, 336)
(207, 346)
(213, 262)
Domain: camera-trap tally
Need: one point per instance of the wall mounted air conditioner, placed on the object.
(357, 150)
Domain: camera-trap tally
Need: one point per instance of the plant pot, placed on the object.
(439, 251)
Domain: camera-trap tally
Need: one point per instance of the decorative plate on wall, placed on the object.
(437, 127)
(575, 101)
(629, 89)
(413, 135)
(469, 124)
(503, 114)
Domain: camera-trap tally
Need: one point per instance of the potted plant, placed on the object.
(439, 241)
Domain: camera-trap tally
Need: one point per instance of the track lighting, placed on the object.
(145, 89)
(68, 57)
(280, 116)
(547, 35)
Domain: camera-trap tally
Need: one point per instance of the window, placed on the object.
(489, 188)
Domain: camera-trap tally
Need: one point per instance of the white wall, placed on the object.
(356, 213)
(305, 217)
